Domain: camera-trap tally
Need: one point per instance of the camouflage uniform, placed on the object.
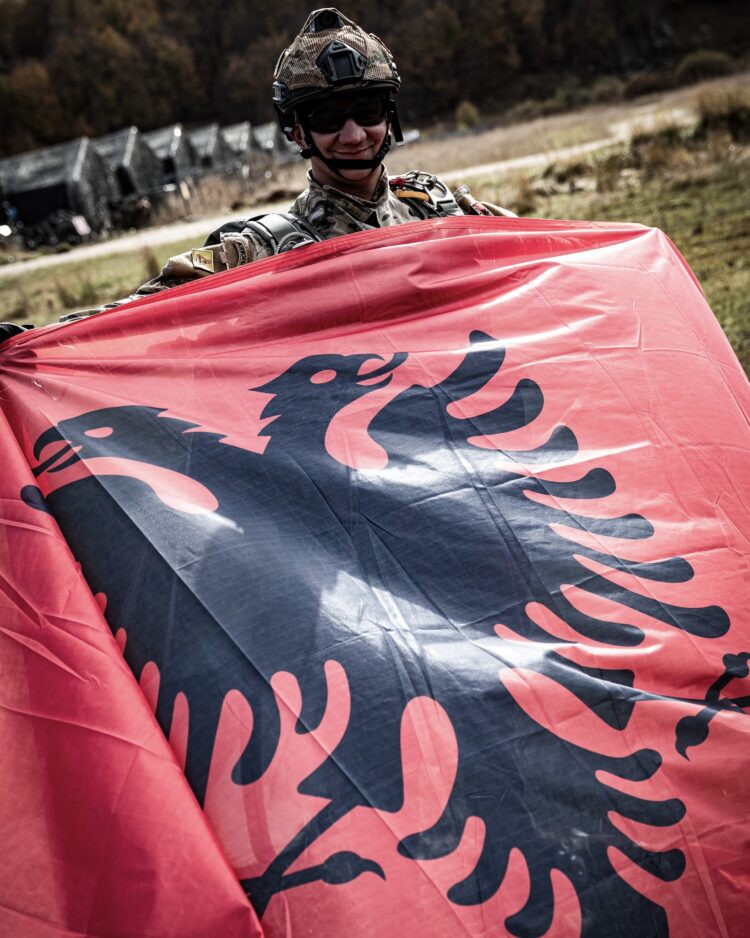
(332, 212)
(331, 56)
(327, 211)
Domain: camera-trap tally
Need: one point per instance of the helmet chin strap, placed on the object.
(311, 149)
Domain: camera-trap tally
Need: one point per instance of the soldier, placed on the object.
(334, 93)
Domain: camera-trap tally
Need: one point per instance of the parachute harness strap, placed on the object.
(425, 192)
(282, 231)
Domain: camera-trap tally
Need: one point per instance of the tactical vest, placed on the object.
(282, 231)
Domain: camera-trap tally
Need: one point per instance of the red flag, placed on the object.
(427, 549)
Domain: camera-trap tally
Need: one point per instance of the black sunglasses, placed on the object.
(329, 117)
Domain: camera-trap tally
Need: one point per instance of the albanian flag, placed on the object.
(396, 585)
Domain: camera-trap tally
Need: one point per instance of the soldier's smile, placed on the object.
(351, 142)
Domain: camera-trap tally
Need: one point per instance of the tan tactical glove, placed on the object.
(236, 248)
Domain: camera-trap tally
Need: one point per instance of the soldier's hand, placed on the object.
(235, 249)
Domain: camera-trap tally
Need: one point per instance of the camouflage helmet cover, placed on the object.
(330, 53)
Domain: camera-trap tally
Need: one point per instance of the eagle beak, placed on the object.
(370, 378)
(52, 463)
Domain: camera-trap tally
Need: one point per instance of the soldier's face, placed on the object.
(347, 127)
(352, 142)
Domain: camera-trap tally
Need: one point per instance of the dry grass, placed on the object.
(724, 110)
(77, 294)
(442, 154)
(42, 296)
(152, 263)
(217, 193)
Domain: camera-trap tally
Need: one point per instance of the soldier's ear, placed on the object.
(298, 135)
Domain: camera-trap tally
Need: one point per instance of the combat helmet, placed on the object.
(331, 54)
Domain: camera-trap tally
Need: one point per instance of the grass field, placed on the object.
(42, 296)
(704, 211)
(692, 183)
(695, 191)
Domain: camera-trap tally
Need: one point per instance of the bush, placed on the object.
(705, 63)
(609, 170)
(607, 88)
(666, 137)
(567, 97)
(527, 110)
(524, 201)
(656, 151)
(726, 111)
(151, 263)
(563, 173)
(647, 83)
(467, 116)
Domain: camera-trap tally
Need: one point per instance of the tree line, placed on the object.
(72, 67)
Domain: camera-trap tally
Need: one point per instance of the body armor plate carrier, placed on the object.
(282, 231)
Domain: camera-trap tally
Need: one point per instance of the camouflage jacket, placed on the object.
(321, 212)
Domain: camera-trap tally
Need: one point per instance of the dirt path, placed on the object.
(529, 161)
(197, 228)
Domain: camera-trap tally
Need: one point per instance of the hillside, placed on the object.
(72, 67)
